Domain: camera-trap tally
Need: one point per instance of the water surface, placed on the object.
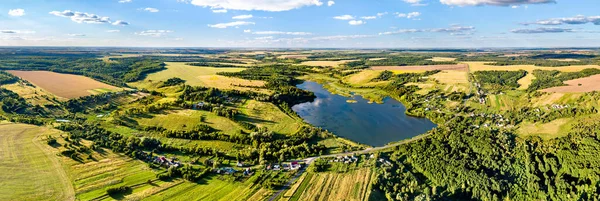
(371, 124)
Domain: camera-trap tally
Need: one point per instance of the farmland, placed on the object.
(326, 63)
(64, 85)
(581, 85)
(353, 185)
(411, 69)
(31, 170)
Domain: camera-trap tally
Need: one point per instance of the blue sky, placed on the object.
(301, 23)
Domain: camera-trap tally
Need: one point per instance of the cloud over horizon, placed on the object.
(88, 18)
(493, 2)
(261, 5)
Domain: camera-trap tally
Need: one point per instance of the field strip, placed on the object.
(69, 192)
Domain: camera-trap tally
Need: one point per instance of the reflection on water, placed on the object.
(371, 124)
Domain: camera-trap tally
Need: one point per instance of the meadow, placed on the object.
(268, 115)
(64, 85)
(30, 168)
(201, 76)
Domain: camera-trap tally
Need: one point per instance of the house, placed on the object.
(240, 164)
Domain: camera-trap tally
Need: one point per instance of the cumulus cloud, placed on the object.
(330, 3)
(242, 17)
(125, 1)
(280, 33)
(410, 15)
(81, 17)
(264, 38)
(230, 24)
(220, 11)
(453, 30)
(541, 30)
(580, 19)
(16, 12)
(247, 31)
(16, 32)
(493, 2)
(113, 31)
(271, 5)
(152, 10)
(344, 17)
(382, 14)
(356, 22)
(153, 33)
(368, 17)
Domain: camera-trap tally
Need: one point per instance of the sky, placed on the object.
(301, 23)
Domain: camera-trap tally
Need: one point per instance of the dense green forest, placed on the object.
(547, 79)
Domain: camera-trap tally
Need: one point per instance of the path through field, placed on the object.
(30, 169)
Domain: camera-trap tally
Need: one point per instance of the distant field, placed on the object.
(586, 84)
(354, 185)
(202, 76)
(268, 115)
(442, 59)
(64, 85)
(480, 66)
(294, 56)
(30, 168)
(410, 69)
(363, 78)
(326, 63)
(451, 77)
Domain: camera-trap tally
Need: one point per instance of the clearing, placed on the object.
(202, 76)
(416, 69)
(268, 115)
(31, 170)
(581, 85)
(187, 119)
(65, 85)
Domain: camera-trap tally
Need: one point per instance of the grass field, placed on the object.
(187, 119)
(553, 129)
(326, 63)
(269, 116)
(30, 168)
(201, 76)
(581, 85)
(33, 95)
(354, 185)
(64, 85)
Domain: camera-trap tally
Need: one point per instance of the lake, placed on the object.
(370, 124)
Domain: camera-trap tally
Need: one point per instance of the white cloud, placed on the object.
(356, 22)
(453, 30)
(230, 24)
(493, 2)
(153, 33)
(220, 11)
(262, 5)
(514, 7)
(330, 3)
(410, 15)
(16, 32)
(113, 31)
(16, 12)
(152, 10)
(541, 30)
(76, 35)
(242, 17)
(579, 19)
(125, 1)
(281, 33)
(247, 31)
(368, 17)
(344, 17)
(382, 14)
(264, 38)
(415, 2)
(80, 17)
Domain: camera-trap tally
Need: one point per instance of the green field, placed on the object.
(187, 119)
(269, 116)
(30, 168)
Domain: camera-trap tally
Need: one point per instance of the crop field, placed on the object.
(30, 168)
(414, 69)
(451, 77)
(202, 76)
(581, 85)
(326, 63)
(187, 119)
(269, 116)
(33, 95)
(354, 185)
(364, 78)
(440, 59)
(480, 66)
(65, 85)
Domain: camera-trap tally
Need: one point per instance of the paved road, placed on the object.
(308, 161)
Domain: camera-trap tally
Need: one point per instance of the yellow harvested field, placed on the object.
(544, 130)
(377, 59)
(451, 77)
(202, 76)
(581, 85)
(480, 66)
(526, 81)
(442, 59)
(363, 77)
(355, 185)
(65, 85)
(294, 56)
(326, 63)
(407, 69)
(33, 95)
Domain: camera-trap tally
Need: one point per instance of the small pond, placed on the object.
(367, 123)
